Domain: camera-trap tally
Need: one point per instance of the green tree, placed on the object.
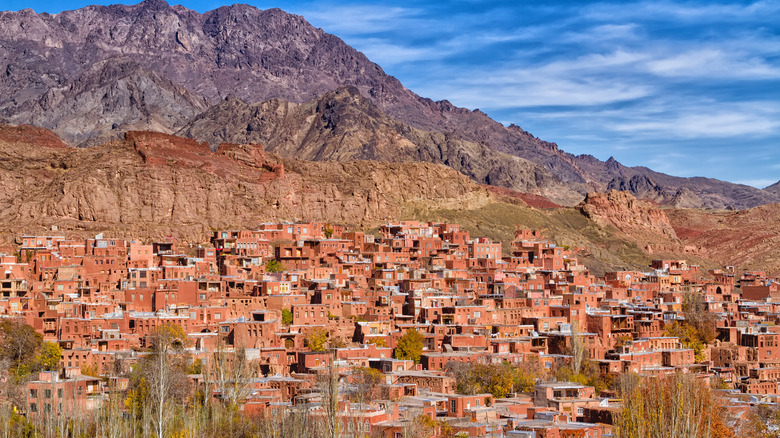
(328, 232)
(274, 265)
(410, 346)
(287, 317)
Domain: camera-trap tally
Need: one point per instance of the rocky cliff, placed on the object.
(638, 221)
(151, 184)
(93, 73)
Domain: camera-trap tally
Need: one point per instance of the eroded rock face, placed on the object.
(96, 72)
(626, 213)
(150, 183)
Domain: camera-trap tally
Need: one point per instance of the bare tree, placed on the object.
(674, 406)
(292, 421)
(578, 349)
(329, 388)
(232, 374)
(164, 374)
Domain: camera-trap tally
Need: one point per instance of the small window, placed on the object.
(47, 393)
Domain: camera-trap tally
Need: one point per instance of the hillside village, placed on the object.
(405, 307)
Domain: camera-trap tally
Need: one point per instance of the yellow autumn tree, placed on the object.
(317, 339)
(679, 406)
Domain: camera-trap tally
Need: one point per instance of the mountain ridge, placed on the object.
(191, 59)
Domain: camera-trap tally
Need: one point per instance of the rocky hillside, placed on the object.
(774, 188)
(748, 239)
(151, 185)
(94, 73)
(344, 126)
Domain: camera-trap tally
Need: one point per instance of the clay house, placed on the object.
(566, 397)
(56, 394)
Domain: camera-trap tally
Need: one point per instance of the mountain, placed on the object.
(773, 189)
(343, 126)
(93, 73)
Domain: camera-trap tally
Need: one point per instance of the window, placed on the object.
(33, 407)
(47, 393)
(33, 393)
(452, 406)
(59, 392)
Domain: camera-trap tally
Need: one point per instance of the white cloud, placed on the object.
(671, 11)
(355, 19)
(713, 63)
(705, 124)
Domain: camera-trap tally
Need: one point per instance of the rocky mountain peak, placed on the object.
(154, 5)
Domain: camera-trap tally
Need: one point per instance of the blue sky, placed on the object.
(686, 88)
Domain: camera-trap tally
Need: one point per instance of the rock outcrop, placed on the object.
(150, 184)
(638, 221)
(626, 213)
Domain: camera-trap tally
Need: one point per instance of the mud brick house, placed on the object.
(566, 397)
(54, 393)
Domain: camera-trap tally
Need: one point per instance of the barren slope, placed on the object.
(748, 239)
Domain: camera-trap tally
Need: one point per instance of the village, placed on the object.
(417, 307)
